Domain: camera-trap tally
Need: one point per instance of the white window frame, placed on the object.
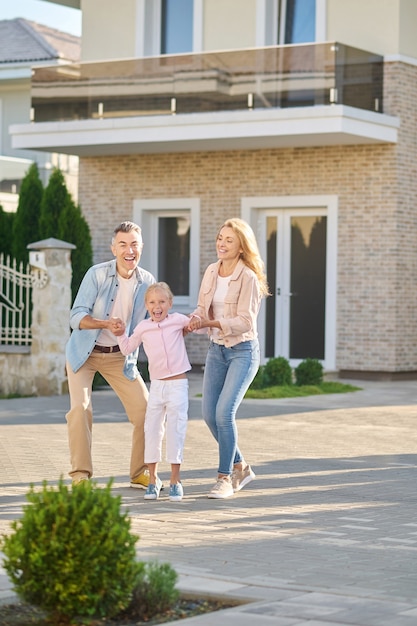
(146, 213)
(252, 207)
(267, 22)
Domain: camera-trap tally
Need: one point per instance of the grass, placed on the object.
(295, 391)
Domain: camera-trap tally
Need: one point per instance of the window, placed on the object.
(297, 21)
(169, 27)
(290, 22)
(176, 26)
(171, 236)
(174, 251)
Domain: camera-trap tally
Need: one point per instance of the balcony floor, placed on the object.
(234, 130)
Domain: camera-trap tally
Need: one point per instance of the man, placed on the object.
(111, 293)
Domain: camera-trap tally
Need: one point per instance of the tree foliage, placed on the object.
(6, 232)
(26, 220)
(61, 218)
(73, 228)
(54, 199)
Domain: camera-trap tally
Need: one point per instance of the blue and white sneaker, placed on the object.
(176, 492)
(152, 492)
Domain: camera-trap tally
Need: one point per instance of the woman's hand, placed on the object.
(195, 323)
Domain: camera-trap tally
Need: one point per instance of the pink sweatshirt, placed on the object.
(163, 343)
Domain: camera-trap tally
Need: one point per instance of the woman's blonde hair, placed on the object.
(250, 251)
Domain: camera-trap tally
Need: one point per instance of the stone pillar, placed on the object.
(50, 262)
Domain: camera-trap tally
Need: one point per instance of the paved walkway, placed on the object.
(326, 535)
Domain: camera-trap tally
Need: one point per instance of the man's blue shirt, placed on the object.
(95, 297)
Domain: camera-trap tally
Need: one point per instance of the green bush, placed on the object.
(309, 372)
(258, 381)
(72, 553)
(155, 593)
(277, 371)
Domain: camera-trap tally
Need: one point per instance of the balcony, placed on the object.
(310, 94)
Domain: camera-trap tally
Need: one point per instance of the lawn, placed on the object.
(295, 391)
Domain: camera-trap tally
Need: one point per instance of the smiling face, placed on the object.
(228, 245)
(158, 303)
(127, 248)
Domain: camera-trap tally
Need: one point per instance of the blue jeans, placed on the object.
(228, 373)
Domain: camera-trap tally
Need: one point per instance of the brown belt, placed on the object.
(106, 349)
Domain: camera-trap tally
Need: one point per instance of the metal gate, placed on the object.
(15, 303)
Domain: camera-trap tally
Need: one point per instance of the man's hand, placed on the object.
(117, 326)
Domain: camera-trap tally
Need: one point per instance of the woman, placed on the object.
(228, 306)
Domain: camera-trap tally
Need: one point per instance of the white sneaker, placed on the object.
(240, 478)
(152, 492)
(222, 489)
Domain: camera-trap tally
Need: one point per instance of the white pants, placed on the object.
(167, 408)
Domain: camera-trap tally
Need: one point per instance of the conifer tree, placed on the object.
(73, 227)
(54, 199)
(26, 219)
(6, 231)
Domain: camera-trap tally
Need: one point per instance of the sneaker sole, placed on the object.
(175, 498)
(246, 481)
(216, 496)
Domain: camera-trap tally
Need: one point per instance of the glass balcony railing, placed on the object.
(12, 172)
(273, 77)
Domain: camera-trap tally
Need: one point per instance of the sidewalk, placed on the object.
(326, 535)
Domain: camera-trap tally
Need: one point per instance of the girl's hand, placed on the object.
(195, 323)
(117, 326)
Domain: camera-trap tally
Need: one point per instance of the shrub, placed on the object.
(277, 371)
(309, 372)
(155, 593)
(258, 381)
(72, 553)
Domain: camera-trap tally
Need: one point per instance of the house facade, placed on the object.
(24, 44)
(296, 115)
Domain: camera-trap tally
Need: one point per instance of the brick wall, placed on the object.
(377, 190)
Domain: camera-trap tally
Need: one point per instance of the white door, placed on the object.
(298, 320)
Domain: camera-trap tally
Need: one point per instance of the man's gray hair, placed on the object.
(126, 227)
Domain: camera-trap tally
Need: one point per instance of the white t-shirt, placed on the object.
(122, 307)
(218, 305)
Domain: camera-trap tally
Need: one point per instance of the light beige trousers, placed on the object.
(132, 394)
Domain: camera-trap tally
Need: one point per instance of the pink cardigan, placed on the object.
(163, 343)
(241, 305)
